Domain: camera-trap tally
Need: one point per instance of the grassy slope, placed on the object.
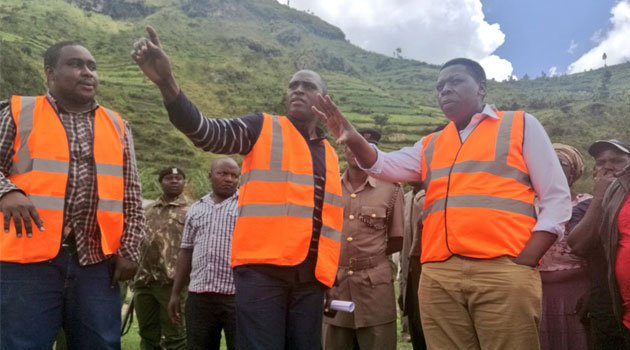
(234, 57)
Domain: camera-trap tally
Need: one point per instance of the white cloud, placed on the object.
(614, 43)
(426, 30)
(497, 68)
(553, 71)
(572, 46)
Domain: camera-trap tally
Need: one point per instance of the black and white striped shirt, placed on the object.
(208, 231)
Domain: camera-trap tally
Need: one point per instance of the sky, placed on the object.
(510, 38)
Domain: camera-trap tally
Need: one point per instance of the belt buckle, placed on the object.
(351, 263)
(70, 248)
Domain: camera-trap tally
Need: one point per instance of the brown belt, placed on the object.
(357, 264)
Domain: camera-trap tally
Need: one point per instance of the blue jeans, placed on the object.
(36, 299)
(273, 314)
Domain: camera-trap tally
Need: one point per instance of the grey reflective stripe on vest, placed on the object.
(331, 233)
(498, 166)
(114, 121)
(109, 169)
(275, 160)
(25, 127)
(503, 138)
(494, 168)
(481, 201)
(288, 209)
(276, 176)
(47, 202)
(428, 157)
(333, 199)
(48, 165)
(112, 205)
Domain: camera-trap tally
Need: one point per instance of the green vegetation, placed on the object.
(234, 57)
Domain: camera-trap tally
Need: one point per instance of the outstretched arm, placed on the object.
(398, 166)
(223, 136)
(344, 131)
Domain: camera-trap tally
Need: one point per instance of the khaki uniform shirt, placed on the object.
(411, 241)
(164, 229)
(365, 275)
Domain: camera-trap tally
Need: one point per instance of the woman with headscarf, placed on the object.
(564, 276)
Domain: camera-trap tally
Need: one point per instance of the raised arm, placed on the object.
(344, 131)
(584, 235)
(398, 166)
(224, 136)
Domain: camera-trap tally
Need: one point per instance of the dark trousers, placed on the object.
(155, 327)
(37, 299)
(273, 314)
(412, 305)
(206, 315)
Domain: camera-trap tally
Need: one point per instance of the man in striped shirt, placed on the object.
(205, 258)
(279, 305)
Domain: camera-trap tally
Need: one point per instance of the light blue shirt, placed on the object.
(548, 179)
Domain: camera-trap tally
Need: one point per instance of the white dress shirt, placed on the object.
(548, 179)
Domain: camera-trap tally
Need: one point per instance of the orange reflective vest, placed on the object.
(479, 199)
(40, 169)
(276, 202)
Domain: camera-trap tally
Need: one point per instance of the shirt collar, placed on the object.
(487, 111)
(369, 181)
(60, 109)
(208, 198)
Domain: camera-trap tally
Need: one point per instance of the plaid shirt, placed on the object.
(208, 232)
(81, 195)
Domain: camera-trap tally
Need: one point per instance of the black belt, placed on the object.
(356, 264)
(69, 244)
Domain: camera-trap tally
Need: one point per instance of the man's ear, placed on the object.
(49, 71)
(483, 88)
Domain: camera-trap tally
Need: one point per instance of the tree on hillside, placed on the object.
(604, 57)
(525, 77)
(380, 120)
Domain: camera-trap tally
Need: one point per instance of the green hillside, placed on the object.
(234, 57)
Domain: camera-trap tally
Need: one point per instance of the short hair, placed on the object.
(51, 56)
(473, 67)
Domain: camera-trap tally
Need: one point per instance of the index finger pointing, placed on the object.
(153, 36)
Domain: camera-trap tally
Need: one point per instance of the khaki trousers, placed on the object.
(381, 337)
(489, 304)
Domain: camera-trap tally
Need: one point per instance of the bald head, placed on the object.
(224, 176)
(217, 163)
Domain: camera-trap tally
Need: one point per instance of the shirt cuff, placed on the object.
(557, 230)
(8, 187)
(129, 253)
(377, 167)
